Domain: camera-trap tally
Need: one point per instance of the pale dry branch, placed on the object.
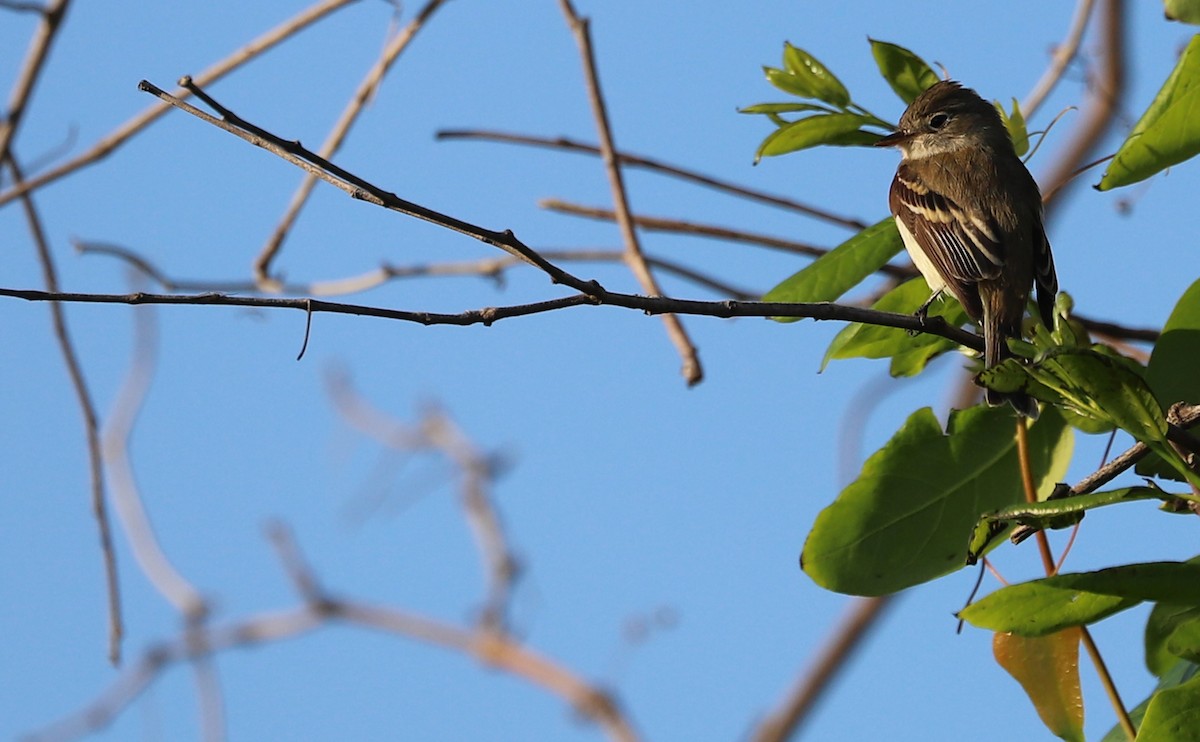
(337, 135)
(133, 126)
(493, 268)
(127, 500)
(693, 372)
(31, 71)
(1105, 92)
(91, 424)
(1062, 56)
(784, 722)
(437, 432)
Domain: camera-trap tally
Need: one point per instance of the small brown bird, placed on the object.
(970, 215)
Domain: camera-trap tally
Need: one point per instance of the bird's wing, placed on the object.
(965, 247)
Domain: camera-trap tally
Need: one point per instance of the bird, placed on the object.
(970, 216)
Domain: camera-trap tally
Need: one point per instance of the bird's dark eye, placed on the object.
(938, 120)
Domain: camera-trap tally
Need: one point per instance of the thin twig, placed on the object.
(31, 71)
(648, 304)
(493, 268)
(693, 372)
(632, 160)
(1062, 57)
(133, 126)
(783, 723)
(337, 135)
(1100, 112)
(91, 424)
(680, 226)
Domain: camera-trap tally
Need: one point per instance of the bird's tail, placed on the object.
(997, 328)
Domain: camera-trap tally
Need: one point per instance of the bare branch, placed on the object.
(631, 160)
(1062, 57)
(366, 89)
(693, 372)
(679, 226)
(437, 432)
(35, 63)
(127, 130)
(91, 425)
(647, 304)
(1106, 92)
(782, 724)
(127, 501)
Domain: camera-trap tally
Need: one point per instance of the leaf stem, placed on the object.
(1031, 491)
(1106, 680)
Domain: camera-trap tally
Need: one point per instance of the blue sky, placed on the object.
(628, 494)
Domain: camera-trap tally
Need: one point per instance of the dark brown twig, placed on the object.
(631, 160)
(31, 71)
(647, 304)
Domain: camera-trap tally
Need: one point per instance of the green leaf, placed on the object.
(902, 521)
(1172, 372)
(1040, 607)
(1173, 715)
(765, 108)
(840, 269)
(1015, 123)
(841, 129)
(1180, 673)
(824, 84)
(907, 73)
(1095, 383)
(1184, 641)
(1162, 622)
(909, 354)
(1187, 11)
(1168, 132)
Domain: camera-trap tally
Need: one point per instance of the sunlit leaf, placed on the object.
(1014, 122)
(1173, 715)
(1162, 622)
(1179, 673)
(1040, 607)
(840, 129)
(784, 108)
(1172, 372)
(840, 269)
(909, 354)
(904, 520)
(907, 73)
(824, 84)
(1047, 667)
(1187, 11)
(1168, 132)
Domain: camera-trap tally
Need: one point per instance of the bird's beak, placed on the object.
(898, 137)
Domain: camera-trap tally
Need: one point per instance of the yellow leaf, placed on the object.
(1047, 667)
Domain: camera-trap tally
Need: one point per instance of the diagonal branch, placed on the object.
(133, 126)
(35, 63)
(693, 372)
(366, 89)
